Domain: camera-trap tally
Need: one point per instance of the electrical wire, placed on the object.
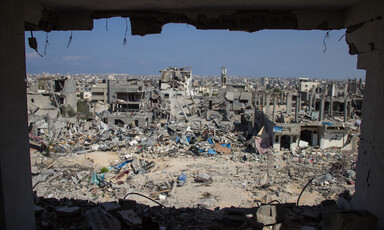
(135, 193)
(325, 37)
(46, 44)
(298, 199)
(126, 31)
(70, 40)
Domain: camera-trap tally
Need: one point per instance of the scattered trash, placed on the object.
(181, 179)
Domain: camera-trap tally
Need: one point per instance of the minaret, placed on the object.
(223, 76)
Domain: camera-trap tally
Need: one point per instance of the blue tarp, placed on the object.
(327, 123)
(210, 141)
(211, 151)
(226, 145)
(120, 165)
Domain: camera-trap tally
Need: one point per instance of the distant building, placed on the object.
(87, 95)
(306, 85)
(99, 92)
(175, 81)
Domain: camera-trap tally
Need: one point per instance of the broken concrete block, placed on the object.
(137, 167)
(95, 147)
(38, 209)
(278, 226)
(127, 204)
(323, 180)
(310, 214)
(98, 219)
(130, 217)
(329, 205)
(353, 220)
(344, 203)
(235, 215)
(303, 144)
(270, 214)
(67, 211)
(266, 215)
(111, 206)
(203, 178)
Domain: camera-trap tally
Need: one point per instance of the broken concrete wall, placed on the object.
(178, 79)
(69, 91)
(41, 105)
(334, 137)
(366, 38)
(120, 119)
(285, 136)
(99, 92)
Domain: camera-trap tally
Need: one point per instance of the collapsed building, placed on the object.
(50, 99)
(316, 115)
(175, 81)
(48, 94)
(362, 19)
(142, 124)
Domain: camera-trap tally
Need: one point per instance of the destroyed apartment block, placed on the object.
(99, 92)
(52, 97)
(129, 102)
(317, 116)
(175, 81)
(174, 97)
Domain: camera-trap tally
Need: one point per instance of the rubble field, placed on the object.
(186, 181)
(226, 181)
(164, 154)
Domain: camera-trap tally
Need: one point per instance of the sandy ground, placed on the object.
(235, 183)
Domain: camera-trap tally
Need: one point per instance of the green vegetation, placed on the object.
(104, 170)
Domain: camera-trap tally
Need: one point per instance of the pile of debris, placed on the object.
(195, 179)
(66, 213)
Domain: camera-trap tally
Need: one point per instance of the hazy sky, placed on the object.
(273, 53)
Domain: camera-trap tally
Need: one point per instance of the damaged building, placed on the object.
(363, 22)
(175, 81)
(129, 102)
(52, 97)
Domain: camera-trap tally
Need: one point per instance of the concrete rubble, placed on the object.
(195, 155)
(90, 215)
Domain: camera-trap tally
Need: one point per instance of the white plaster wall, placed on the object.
(333, 139)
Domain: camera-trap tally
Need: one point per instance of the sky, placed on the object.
(266, 53)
